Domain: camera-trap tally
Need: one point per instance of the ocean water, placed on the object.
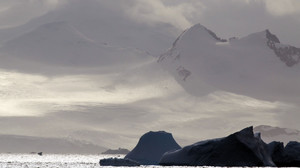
(61, 161)
(51, 161)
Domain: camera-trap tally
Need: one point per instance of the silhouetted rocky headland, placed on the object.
(243, 148)
(151, 147)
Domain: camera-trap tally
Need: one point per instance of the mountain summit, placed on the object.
(257, 65)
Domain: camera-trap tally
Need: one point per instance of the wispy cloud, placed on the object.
(15, 12)
(282, 8)
(101, 103)
(138, 96)
(156, 11)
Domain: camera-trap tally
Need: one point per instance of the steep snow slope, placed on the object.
(91, 19)
(270, 134)
(256, 65)
(59, 44)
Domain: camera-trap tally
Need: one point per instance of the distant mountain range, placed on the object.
(75, 66)
(257, 65)
(270, 134)
(29, 144)
(121, 151)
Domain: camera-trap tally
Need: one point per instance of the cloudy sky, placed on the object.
(228, 18)
(117, 98)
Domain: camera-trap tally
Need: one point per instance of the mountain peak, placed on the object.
(198, 28)
(290, 55)
(200, 58)
(271, 36)
(198, 33)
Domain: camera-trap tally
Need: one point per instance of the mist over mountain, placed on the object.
(284, 135)
(92, 70)
(90, 19)
(78, 38)
(60, 45)
(257, 65)
(27, 144)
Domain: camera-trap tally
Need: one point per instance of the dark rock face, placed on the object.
(118, 162)
(151, 147)
(242, 148)
(272, 37)
(288, 54)
(276, 150)
(183, 73)
(213, 34)
(291, 155)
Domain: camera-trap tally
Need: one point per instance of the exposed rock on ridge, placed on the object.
(288, 54)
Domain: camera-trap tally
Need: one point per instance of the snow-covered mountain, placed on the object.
(91, 19)
(257, 65)
(28, 144)
(59, 44)
(78, 38)
(103, 74)
(270, 134)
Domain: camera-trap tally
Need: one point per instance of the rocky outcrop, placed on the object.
(288, 54)
(183, 73)
(276, 150)
(242, 148)
(215, 36)
(288, 156)
(151, 147)
(291, 155)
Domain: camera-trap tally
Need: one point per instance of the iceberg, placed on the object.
(151, 147)
(242, 148)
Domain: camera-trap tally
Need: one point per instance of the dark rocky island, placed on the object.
(243, 149)
(152, 146)
(120, 151)
(148, 151)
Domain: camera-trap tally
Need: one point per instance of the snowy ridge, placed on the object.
(60, 44)
(288, 54)
(201, 61)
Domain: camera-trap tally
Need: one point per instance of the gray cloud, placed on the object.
(139, 96)
(239, 18)
(190, 119)
(15, 12)
(228, 18)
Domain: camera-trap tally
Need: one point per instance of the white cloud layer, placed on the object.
(92, 107)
